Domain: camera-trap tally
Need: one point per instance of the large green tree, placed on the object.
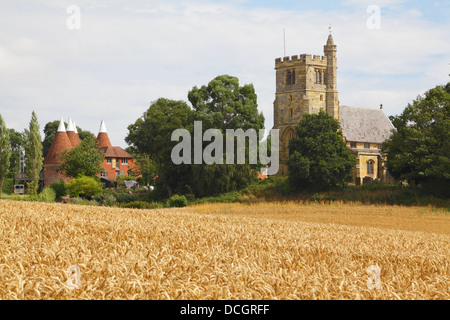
(420, 148)
(33, 154)
(151, 135)
(318, 157)
(224, 104)
(17, 142)
(84, 159)
(50, 132)
(5, 152)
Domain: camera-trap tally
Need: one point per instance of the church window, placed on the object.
(320, 77)
(370, 165)
(291, 113)
(293, 77)
(289, 78)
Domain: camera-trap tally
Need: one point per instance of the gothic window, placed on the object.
(291, 113)
(293, 76)
(370, 165)
(320, 77)
(289, 78)
(316, 76)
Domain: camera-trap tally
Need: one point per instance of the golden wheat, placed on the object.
(187, 254)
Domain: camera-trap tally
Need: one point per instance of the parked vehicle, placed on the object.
(19, 189)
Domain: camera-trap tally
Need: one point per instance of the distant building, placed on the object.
(306, 84)
(117, 161)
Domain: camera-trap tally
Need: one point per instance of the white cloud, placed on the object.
(127, 55)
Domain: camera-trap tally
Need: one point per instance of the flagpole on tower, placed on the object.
(284, 41)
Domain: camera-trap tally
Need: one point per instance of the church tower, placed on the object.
(304, 84)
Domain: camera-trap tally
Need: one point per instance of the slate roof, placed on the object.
(364, 124)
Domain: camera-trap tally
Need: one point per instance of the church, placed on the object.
(308, 84)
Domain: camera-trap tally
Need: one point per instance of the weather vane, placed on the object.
(330, 28)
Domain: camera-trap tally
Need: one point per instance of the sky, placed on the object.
(108, 60)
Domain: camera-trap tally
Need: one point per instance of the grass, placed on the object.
(223, 251)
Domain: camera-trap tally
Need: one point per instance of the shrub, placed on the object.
(86, 187)
(178, 201)
(47, 195)
(142, 205)
(109, 200)
(8, 186)
(60, 188)
(120, 180)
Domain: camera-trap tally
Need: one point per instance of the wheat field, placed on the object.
(262, 251)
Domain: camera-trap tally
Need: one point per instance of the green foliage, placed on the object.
(47, 195)
(85, 159)
(121, 180)
(60, 188)
(85, 187)
(151, 135)
(33, 152)
(8, 187)
(420, 148)
(319, 158)
(5, 152)
(17, 142)
(223, 104)
(142, 205)
(178, 201)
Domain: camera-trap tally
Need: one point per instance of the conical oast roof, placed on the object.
(72, 133)
(59, 144)
(102, 138)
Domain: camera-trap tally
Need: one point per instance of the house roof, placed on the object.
(115, 152)
(365, 124)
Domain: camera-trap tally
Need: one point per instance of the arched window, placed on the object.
(289, 78)
(293, 76)
(370, 165)
(320, 77)
(316, 76)
(291, 114)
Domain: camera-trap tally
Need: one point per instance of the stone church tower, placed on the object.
(304, 84)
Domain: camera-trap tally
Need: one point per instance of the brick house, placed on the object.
(116, 162)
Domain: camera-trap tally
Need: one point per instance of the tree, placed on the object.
(17, 142)
(151, 135)
(223, 104)
(319, 158)
(420, 148)
(85, 159)
(50, 132)
(85, 187)
(33, 153)
(5, 152)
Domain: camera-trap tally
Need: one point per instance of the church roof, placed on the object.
(365, 124)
